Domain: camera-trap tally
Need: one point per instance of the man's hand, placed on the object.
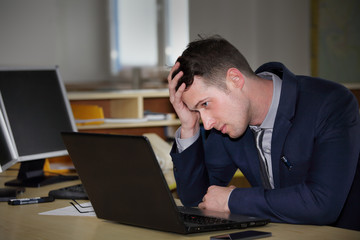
(216, 199)
(189, 119)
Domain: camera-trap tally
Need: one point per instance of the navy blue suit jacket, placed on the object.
(317, 128)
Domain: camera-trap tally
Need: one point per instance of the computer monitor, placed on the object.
(7, 149)
(34, 112)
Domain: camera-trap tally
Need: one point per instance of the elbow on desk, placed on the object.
(314, 216)
(323, 216)
(322, 213)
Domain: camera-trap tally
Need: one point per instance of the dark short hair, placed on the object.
(210, 58)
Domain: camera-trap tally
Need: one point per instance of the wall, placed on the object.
(67, 33)
(263, 30)
(74, 33)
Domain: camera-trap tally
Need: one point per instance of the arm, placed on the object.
(194, 174)
(189, 171)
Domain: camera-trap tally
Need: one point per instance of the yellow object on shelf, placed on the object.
(87, 114)
(58, 165)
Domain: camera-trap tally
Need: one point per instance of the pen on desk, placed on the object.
(23, 201)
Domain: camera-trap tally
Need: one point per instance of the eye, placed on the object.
(205, 104)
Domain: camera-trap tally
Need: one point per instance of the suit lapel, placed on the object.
(282, 125)
(283, 121)
(277, 145)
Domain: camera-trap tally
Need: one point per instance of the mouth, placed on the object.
(223, 129)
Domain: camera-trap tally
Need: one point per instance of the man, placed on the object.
(295, 138)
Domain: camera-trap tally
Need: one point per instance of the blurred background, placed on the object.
(131, 44)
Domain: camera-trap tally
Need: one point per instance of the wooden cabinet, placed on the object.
(129, 104)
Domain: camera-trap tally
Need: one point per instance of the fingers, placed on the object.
(175, 96)
(173, 69)
(179, 92)
(174, 81)
(202, 205)
(216, 198)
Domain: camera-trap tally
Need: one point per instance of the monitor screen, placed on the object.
(35, 110)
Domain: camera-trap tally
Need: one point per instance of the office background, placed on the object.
(75, 34)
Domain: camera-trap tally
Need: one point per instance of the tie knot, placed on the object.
(257, 130)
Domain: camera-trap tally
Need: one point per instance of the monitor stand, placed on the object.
(31, 174)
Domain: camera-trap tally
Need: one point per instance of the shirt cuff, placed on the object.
(183, 144)
(229, 198)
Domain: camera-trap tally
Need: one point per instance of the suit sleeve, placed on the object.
(194, 175)
(319, 198)
(190, 173)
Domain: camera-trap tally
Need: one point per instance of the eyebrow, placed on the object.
(197, 104)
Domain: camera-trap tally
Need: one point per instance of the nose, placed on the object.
(208, 121)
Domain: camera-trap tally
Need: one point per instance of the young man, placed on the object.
(295, 138)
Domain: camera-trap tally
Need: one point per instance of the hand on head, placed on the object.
(189, 119)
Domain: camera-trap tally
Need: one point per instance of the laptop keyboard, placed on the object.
(203, 220)
(72, 192)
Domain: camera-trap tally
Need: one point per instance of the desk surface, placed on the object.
(24, 222)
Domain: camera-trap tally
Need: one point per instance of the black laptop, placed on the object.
(125, 184)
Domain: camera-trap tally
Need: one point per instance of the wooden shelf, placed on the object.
(162, 123)
(145, 93)
(127, 104)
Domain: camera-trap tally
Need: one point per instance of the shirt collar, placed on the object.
(269, 120)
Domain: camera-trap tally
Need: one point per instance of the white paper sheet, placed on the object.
(71, 211)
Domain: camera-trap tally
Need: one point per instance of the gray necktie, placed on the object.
(264, 170)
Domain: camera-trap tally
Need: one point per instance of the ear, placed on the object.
(235, 78)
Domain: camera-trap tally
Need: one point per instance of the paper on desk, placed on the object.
(71, 211)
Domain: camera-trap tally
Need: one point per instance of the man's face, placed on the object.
(227, 112)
